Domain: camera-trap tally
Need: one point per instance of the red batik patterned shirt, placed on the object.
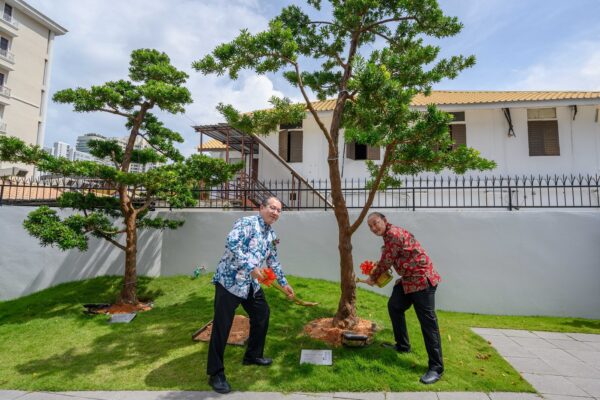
(402, 251)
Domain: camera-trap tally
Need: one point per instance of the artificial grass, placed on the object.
(47, 343)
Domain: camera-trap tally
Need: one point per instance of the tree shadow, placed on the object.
(584, 323)
(151, 337)
(68, 298)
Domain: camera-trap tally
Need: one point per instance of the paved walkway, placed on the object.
(560, 366)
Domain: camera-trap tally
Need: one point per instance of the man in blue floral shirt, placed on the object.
(251, 242)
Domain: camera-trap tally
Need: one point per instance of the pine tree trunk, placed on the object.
(345, 316)
(346, 313)
(129, 291)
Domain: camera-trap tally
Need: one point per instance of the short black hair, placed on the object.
(265, 201)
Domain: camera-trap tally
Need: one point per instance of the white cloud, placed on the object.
(576, 66)
(103, 33)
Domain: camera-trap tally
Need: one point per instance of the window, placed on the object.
(458, 129)
(4, 43)
(7, 12)
(357, 151)
(542, 127)
(2, 77)
(290, 143)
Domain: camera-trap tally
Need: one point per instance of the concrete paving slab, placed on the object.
(463, 396)
(531, 365)
(571, 344)
(517, 333)
(514, 396)
(566, 364)
(11, 394)
(507, 347)
(589, 357)
(585, 337)
(551, 335)
(488, 331)
(595, 345)
(561, 397)
(359, 396)
(552, 384)
(412, 396)
(590, 386)
(534, 343)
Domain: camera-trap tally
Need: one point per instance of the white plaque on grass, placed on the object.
(317, 357)
(121, 318)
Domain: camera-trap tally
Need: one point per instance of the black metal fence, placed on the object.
(433, 192)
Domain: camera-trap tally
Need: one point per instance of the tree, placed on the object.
(372, 58)
(154, 82)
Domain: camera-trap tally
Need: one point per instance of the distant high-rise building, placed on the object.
(61, 149)
(83, 141)
(26, 39)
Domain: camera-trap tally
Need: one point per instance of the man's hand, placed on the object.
(290, 292)
(370, 281)
(256, 273)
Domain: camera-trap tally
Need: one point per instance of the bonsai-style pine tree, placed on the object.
(371, 57)
(154, 82)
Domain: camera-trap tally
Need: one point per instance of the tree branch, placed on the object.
(384, 166)
(311, 108)
(111, 240)
(115, 111)
(385, 21)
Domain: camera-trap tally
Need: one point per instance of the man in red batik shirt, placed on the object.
(416, 286)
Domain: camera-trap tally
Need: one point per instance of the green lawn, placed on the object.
(47, 343)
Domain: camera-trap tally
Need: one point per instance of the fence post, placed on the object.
(413, 196)
(1, 192)
(509, 196)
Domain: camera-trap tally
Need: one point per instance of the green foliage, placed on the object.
(373, 58)
(115, 195)
(262, 122)
(45, 225)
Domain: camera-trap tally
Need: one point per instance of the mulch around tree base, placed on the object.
(240, 331)
(323, 329)
(118, 308)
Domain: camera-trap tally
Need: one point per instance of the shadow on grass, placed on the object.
(68, 298)
(581, 323)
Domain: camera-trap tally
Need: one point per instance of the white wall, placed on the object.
(521, 263)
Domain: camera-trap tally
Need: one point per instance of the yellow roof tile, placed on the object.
(449, 97)
(212, 145)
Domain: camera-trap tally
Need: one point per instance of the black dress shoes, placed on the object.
(219, 383)
(431, 377)
(264, 361)
(391, 346)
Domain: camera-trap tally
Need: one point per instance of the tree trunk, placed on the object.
(345, 316)
(129, 292)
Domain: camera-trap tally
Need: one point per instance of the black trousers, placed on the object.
(424, 303)
(225, 305)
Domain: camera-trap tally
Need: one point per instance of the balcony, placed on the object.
(7, 55)
(9, 19)
(4, 91)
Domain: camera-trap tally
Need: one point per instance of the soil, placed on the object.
(323, 329)
(240, 331)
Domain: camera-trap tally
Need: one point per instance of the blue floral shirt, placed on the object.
(250, 243)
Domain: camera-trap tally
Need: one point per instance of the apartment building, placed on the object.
(26, 40)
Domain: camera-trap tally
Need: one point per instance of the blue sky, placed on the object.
(519, 45)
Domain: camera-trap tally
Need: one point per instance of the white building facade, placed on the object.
(525, 133)
(26, 40)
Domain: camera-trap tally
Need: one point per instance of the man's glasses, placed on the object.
(273, 208)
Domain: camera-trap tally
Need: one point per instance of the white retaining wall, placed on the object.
(494, 262)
